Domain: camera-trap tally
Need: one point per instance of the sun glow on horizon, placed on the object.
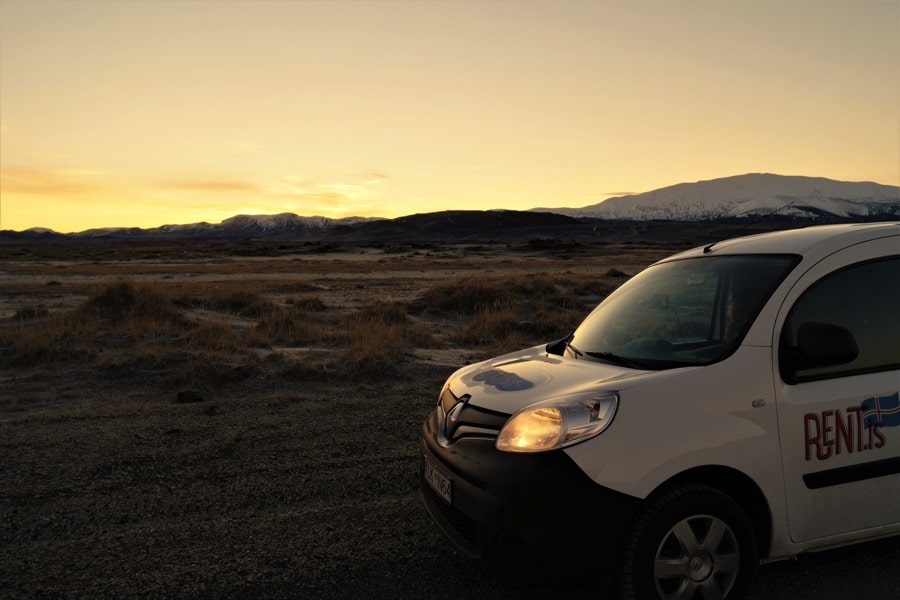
(154, 113)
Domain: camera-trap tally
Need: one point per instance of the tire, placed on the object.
(689, 543)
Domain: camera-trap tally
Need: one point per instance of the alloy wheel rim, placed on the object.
(699, 554)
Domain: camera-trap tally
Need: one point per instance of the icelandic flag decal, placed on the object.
(881, 410)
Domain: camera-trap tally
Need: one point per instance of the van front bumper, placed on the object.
(522, 513)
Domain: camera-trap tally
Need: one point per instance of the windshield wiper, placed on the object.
(618, 360)
(574, 350)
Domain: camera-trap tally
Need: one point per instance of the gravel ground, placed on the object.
(269, 490)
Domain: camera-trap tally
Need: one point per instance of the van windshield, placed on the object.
(686, 312)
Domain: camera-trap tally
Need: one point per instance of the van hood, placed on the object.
(509, 382)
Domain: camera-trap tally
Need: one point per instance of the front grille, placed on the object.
(457, 419)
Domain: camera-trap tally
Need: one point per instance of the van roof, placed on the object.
(803, 241)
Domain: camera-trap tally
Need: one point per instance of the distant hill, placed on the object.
(779, 200)
(463, 225)
(750, 195)
(237, 227)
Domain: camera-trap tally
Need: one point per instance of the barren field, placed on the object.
(212, 420)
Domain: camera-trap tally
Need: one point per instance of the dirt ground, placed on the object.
(275, 472)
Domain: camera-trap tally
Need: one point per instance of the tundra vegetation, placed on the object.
(247, 316)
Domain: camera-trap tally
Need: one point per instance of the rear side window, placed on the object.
(864, 300)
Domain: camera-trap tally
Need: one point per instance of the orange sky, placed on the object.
(153, 112)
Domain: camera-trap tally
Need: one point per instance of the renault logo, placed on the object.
(453, 413)
(452, 417)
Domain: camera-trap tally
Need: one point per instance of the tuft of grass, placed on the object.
(49, 341)
(310, 304)
(492, 325)
(132, 306)
(377, 339)
(242, 304)
(464, 295)
(385, 312)
(27, 313)
(213, 335)
(291, 326)
(374, 348)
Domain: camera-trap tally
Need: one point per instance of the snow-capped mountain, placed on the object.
(283, 222)
(750, 195)
(239, 226)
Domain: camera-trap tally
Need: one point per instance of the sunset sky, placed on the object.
(144, 113)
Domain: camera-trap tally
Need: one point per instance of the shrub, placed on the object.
(312, 304)
(508, 326)
(243, 304)
(376, 338)
(130, 305)
(465, 295)
(41, 343)
(374, 348)
(31, 312)
(489, 325)
(292, 326)
(385, 312)
(213, 335)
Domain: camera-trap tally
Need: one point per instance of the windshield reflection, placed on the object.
(686, 312)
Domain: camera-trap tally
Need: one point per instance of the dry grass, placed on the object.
(289, 326)
(206, 318)
(507, 312)
(144, 319)
(491, 312)
(116, 316)
(378, 339)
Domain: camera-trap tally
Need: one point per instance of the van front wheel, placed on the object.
(690, 542)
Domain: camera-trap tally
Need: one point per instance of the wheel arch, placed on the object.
(737, 485)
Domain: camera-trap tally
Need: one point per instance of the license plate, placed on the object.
(439, 482)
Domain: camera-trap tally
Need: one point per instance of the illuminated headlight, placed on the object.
(557, 423)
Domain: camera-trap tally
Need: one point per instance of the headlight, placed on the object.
(557, 423)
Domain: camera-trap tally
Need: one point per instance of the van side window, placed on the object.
(863, 299)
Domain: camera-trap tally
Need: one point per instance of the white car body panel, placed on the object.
(509, 382)
(674, 421)
(821, 428)
(736, 414)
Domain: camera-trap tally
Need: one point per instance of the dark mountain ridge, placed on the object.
(744, 203)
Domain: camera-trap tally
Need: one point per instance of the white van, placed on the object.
(731, 404)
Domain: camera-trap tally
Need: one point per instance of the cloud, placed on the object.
(329, 198)
(75, 180)
(50, 181)
(211, 186)
(617, 194)
(376, 177)
(76, 172)
(346, 191)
